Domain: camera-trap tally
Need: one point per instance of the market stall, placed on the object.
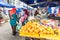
(37, 26)
(42, 28)
(36, 30)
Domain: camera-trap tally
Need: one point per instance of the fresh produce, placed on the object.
(34, 27)
(30, 27)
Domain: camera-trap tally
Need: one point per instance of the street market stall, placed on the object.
(37, 26)
(36, 30)
(41, 28)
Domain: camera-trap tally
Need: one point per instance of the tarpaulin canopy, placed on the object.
(32, 2)
(21, 5)
(50, 4)
(39, 5)
(24, 6)
(2, 4)
(30, 8)
(41, 0)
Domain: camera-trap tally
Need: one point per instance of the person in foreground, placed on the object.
(13, 20)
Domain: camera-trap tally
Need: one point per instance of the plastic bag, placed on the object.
(19, 26)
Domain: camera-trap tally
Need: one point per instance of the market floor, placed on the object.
(5, 33)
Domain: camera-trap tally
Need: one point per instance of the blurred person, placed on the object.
(33, 12)
(13, 21)
(26, 14)
(44, 14)
(37, 15)
(31, 16)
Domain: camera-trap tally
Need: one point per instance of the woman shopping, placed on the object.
(13, 21)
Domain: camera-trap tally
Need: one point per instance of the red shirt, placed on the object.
(12, 11)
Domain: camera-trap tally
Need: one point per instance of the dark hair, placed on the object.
(26, 11)
(36, 13)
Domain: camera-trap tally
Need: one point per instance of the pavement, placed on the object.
(6, 33)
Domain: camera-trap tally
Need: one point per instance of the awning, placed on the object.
(45, 4)
(24, 6)
(32, 2)
(37, 1)
(2, 4)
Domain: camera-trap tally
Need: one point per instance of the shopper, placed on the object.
(26, 14)
(13, 20)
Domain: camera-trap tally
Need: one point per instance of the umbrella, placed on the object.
(2, 4)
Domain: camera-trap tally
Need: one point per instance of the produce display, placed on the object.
(35, 29)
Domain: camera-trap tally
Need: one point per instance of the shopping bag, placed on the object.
(18, 26)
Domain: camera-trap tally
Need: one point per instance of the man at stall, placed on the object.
(37, 15)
